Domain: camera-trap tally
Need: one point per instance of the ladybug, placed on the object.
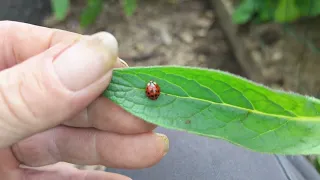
(152, 90)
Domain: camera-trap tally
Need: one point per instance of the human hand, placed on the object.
(51, 111)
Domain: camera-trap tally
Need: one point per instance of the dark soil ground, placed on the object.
(161, 32)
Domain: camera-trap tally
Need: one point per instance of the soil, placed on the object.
(183, 32)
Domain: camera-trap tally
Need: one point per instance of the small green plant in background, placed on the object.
(91, 12)
(60, 8)
(280, 11)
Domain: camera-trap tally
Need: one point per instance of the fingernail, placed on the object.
(164, 139)
(123, 63)
(87, 60)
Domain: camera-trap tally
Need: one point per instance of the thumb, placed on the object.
(55, 85)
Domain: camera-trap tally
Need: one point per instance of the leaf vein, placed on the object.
(236, 91)
(271, 130)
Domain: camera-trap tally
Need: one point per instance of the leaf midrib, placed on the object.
(232, 106)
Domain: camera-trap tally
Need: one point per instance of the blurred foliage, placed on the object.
(60, 8)
(129, 6)
(280, 11)
(91, 12)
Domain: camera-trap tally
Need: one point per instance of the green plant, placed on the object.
(281, 11)
(217, 104)
(91, 12)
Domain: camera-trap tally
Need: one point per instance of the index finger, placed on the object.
(20, 41)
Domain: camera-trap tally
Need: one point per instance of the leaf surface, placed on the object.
(91, 12)
(129, 6)
(60, 8)
(217, 104)
(287, 11)
(244, 12)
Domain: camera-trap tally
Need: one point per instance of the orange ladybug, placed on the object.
(152, 90)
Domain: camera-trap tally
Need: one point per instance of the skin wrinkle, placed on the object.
(21, 85)
(58, 130)
(3, 63)
(87, 117)
(56, 154)
(39, 85)
(92, 122)
(96, 155)
(4, 47)
(29, 109)
(9, 123)
(16, 152)
(8, 104)
(66, 45)
(14, 54)
(53, 32)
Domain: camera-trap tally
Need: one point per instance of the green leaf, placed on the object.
(91, 12)
(266, 10)
(129, 6)
(309, 8)
(244, 12)
(60, 8)
(287, 11)
(217, 104)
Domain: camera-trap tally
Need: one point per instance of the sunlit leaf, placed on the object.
(218, 104)
(287, 11)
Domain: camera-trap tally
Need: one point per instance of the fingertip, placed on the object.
(164, 141)
(109, 41)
